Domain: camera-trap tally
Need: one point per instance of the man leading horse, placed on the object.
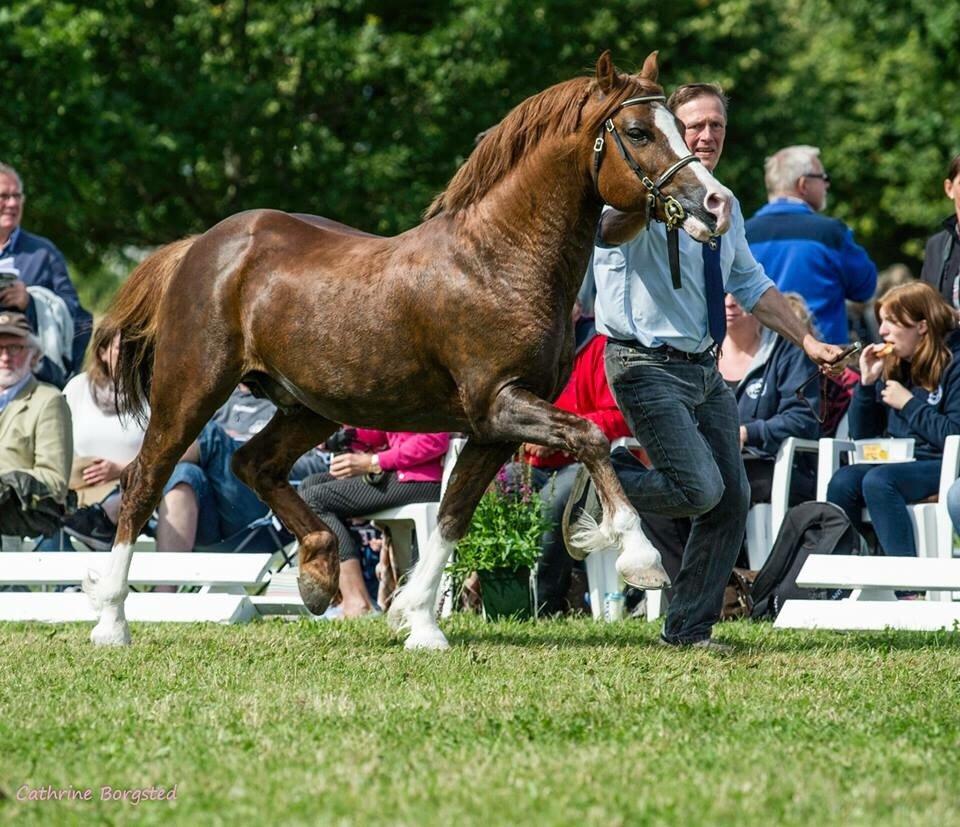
(661, 359)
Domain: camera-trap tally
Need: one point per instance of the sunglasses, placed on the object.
(823, 176)
(821, 415)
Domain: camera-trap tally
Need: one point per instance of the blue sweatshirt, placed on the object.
(929, 418)
(767, 396)
(815, 256)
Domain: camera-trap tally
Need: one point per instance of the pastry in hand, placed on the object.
(884, 350)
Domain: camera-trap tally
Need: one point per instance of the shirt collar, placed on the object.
(7, 396)
(8, 248)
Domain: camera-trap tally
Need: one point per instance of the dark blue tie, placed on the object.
(713, 284)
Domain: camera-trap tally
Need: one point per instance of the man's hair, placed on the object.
(954, 169)
(692, 91)
(6, 169)
(782, 169)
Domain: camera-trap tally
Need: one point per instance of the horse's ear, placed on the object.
(606, 74)
(650, 69)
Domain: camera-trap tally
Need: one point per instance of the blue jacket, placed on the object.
(40, 262)
(815, 256)
(929, 418)
(767, 396)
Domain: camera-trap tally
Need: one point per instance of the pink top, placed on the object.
(415, 457)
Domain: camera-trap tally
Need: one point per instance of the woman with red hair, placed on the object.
(909, 388)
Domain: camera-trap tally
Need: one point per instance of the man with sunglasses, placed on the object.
(804, 252)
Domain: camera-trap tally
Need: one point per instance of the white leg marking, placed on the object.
(414, 605)
(639, 562)
(107, 595)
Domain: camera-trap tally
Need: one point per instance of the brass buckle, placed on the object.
(674, 212)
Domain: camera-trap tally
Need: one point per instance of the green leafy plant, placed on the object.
(505, 532)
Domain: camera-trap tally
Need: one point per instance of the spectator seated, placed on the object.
(35, 437)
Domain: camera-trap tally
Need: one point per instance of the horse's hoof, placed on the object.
(427, 638)
(316, 592)
(111, 633)
(646, 577)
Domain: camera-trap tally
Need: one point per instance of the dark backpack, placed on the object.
(809, 528)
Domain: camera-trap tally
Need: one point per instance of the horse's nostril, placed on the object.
(715, 203)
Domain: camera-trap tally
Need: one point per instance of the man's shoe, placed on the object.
(583, 500)
(707, 645)
(92, 527)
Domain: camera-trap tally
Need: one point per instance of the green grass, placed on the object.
(551, 723)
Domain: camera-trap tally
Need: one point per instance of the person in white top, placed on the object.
(103, 444)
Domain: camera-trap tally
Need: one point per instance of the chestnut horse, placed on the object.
(459, 324)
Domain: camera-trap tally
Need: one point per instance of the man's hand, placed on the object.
(15, 295)
(743, 436)
(825, 356)
(351, 465)
(101, 471)
(895, 395)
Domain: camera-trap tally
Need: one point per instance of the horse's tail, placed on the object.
(133, 314)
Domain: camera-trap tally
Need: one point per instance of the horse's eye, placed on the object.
(640, 136)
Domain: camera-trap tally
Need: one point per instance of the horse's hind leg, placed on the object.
(264, 464)
(414, 605)
(179, 410)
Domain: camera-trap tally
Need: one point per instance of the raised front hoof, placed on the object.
(646, 577)
(316, 591)
(427, 639)
(116, 633)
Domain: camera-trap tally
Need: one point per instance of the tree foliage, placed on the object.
(138, 121)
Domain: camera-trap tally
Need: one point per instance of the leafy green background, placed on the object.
(137, 121)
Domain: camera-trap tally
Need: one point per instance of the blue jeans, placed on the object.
(225, 504)
(686, 418)
(885, 491)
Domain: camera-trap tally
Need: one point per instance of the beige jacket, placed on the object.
(36, 436)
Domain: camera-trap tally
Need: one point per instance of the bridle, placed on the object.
(673, 211)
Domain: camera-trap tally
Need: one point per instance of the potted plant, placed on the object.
(502, 546)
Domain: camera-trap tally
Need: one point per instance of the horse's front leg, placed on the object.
(414, 604)
(519, 415)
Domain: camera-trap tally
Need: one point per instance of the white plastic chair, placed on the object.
(932, 528)
(421, 518)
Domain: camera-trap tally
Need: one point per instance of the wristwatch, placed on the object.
(375, 464)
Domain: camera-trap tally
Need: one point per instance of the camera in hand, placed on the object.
(340, 441)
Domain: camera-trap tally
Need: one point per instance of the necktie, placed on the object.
(713, 284)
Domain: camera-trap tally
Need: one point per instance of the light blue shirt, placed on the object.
(6, 397)
(635, 294)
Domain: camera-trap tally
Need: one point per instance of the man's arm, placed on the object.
(774, 311)
(618, 228)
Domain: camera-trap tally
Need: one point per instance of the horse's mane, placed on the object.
(555, 111)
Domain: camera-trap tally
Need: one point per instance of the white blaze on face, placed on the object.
(718, 198)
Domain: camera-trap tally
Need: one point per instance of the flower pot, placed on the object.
(506, 594)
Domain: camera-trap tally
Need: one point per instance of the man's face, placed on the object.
(11, 204)
(16, 360)
(813, 187)
(952, 189)
(705, 127)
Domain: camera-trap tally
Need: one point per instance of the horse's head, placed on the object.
(640, 159)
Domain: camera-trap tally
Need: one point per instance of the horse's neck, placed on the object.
(537, 226)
